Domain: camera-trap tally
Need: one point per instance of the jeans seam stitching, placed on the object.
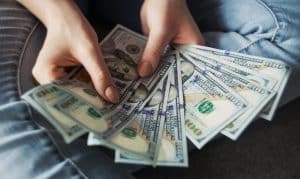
(59, 151)
(76, 167)
(250, 44)
(262, 3)
(277, 28)
(21, 57)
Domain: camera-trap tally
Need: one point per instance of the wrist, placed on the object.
(61, 13)
(52, 12)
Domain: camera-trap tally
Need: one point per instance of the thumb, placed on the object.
(155, 46)
(95, 65)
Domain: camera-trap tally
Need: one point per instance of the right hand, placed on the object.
(71, 41)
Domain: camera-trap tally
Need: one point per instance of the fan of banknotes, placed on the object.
(196, 93)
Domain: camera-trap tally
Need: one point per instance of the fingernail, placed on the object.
(112, 93)
(145, 69)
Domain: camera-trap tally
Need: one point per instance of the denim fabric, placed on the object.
(31, 148)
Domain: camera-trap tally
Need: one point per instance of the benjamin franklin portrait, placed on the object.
(121, 66)
(187, 70)
(156, 98)
(140, 93)
(172, 93)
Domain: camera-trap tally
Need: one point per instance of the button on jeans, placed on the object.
(31, 148)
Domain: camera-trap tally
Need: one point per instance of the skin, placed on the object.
(72, 41)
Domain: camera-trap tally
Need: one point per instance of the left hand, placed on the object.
(165, 21)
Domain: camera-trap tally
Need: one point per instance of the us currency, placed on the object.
(85, 91)
(137, 102)
(275, 69)
(148, 125)
(209, 104)
(256, 96)
(260, 79)
(42, 98)
(122, 50)
(141, 137)
(77, 109)
(173, 150)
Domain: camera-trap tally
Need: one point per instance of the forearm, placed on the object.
(52, 11)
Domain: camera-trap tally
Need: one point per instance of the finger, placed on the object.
(145, 29)
(95, 65)
(144, 23)
(45, 72)
(155, 46)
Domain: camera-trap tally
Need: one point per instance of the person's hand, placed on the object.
(165, 21)
(70, 41)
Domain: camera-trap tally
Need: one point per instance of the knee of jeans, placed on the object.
(258, 21)
(287, 37)
(275, 23)
(250, 19)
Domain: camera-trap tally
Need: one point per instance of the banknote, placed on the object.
(260, 79)
(173, 150)
(79, 109)
(275, 69)
(42, 98)
(141, 136)
(148, 125)
(256, 96)
(85, 91)
(136, 102)
(210, 105)
(122, 50)
(87, 108)
(85, 114)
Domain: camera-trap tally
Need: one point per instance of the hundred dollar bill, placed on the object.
(275, 69)
(122, 50)
(260, 79)
(42, 98)
(85, 91)
(209, 104)
(106, 126)
(173, 150)
(138, 100)
(256, 96)
(143, 134)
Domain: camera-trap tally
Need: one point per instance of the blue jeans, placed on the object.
(31, 148)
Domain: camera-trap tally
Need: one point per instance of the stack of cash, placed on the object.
(196, 93)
